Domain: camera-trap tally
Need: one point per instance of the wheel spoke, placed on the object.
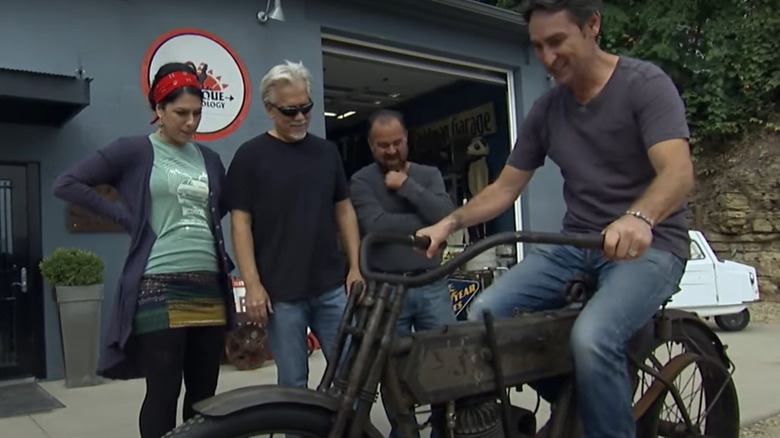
(715, 414)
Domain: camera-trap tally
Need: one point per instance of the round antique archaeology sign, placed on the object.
(225, 82)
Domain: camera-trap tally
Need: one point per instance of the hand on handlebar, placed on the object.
(438, 235)
(627, 238)
(435, 237)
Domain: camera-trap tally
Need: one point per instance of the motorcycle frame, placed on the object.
(355, 377)
(369, 361)
(368, 324)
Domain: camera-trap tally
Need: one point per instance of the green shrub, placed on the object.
(721, 54)
(72, 267)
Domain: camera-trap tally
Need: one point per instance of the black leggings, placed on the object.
(166, 355)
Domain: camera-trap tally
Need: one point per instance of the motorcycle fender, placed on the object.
(643, 342)
(255, 396)
(677, 314)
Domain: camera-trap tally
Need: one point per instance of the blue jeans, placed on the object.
(628, 295)
(424, 308)
(287, 333)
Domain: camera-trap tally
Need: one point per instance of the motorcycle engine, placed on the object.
(479, 420)
(480, 417)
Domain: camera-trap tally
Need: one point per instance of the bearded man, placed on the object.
(397, 196)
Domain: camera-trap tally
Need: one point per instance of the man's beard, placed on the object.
(398, 165)
(297, 136)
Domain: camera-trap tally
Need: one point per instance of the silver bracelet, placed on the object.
(642, 216)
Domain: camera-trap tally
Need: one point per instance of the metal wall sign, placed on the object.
(225, 80)
(80, 220)
(474, 122)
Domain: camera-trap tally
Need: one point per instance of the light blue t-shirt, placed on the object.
(179, 215)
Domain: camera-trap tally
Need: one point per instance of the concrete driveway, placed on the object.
(111, 409)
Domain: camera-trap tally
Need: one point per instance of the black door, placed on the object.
(21, 294)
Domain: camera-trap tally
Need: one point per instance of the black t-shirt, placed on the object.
(290, 189)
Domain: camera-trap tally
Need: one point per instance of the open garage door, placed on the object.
(442, 98)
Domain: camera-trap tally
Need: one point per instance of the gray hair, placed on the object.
(284, 74)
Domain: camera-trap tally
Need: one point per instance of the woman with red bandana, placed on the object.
(174, 298)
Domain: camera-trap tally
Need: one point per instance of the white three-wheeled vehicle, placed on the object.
(716, 288)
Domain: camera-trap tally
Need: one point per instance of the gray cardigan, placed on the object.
(126, 164)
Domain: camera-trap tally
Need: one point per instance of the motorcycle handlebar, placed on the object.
(423, 242)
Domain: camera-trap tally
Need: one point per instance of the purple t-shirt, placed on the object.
(601, 147)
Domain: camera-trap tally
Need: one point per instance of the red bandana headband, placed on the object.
(172, 82)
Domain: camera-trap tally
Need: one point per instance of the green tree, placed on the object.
(723, 55)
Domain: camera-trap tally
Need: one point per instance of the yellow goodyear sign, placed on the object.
(462, 292)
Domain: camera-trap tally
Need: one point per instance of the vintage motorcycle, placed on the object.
(470, 367)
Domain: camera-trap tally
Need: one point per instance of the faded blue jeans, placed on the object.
(287, 333)
(426, 307)
(629, 293)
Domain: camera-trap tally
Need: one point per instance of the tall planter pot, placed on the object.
(79, 310)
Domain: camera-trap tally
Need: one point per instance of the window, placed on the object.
(696, 252)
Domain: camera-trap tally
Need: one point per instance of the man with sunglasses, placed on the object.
(288, 196)
(397, 196)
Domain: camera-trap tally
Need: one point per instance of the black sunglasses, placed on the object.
(292, 111)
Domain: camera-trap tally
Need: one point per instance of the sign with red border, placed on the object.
(226, 86)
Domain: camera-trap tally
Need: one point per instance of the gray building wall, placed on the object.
(108, 39)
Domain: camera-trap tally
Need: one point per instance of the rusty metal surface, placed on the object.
(245, 347)
(454, 361)
(659, 386)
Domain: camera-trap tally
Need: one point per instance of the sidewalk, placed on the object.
(111, 409)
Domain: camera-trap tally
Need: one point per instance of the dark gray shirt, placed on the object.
(602, 147)
(421, 201)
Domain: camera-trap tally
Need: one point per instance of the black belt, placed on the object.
(411, 273)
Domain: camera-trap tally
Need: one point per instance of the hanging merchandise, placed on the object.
(452, 166)
(459, 158)
(478, 177)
